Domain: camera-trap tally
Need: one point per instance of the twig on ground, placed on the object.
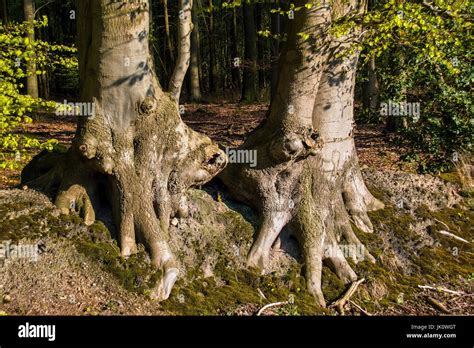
(439, 288)
(359, 308)
(261, 293)
(438, 305)
(452, 235)
(271, 305)
(339, 304)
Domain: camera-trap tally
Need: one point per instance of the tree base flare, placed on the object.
(141, 174)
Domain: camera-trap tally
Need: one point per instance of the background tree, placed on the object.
(31, 78)
(194, 75)
(250, 73)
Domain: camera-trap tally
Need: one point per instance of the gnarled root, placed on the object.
(316, 203)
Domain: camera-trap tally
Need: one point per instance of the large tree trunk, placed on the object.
(31, 79)
(135, 149)
(249, 80)
(307, 175)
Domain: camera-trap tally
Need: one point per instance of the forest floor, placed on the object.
(79, 271)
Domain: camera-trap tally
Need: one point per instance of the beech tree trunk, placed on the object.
(307, 175)
(370, 89)
(185, 26)
(212, 51)
(4, 11)
(275, 49)
(135, 150)
(194, 78)
(169, 40)
(31, 79)
(236, 84)
(249, 79)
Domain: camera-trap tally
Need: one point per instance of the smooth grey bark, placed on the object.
(185, 28)
(31, 79)
(135, 149)
(194, 78)
(307, 176)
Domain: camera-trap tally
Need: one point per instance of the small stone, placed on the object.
(174, 222)
(24, 187)
(7, 298)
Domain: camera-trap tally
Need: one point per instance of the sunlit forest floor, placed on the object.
(411, 250)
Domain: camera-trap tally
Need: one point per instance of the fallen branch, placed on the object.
(261, 293)
(441, 289)
(438, 305)
(271, 305)
(360, 308)
(339, 304)
(452, 235)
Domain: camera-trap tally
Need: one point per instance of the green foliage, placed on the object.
(16, 49)
(423, 54)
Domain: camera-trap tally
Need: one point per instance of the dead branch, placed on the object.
(439, 288)
(438, 305)
(452, 235)
(275, 304)
(339, 304)
(360, 308)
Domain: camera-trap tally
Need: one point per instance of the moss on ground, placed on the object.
(228, 289)
(445, 261)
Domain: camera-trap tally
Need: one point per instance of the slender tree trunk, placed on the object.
(236, 84)
(184, 49)
(212, 51)
(194, 80)
(260, 50)
(134, 147)
(370, 89)
(169, 40)
(275, 50)
(250, 74)
(4, 11)
(43, 79)
(307, 175)
(31, 79)
(396, 123)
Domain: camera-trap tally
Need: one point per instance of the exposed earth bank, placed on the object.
(422, 238)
